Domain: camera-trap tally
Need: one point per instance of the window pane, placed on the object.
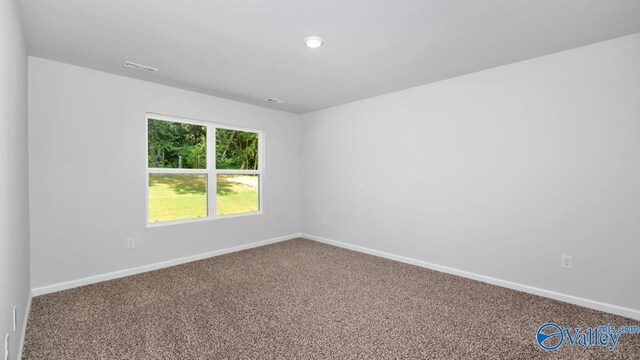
(236, 150)
(237, 194)
(177, 196)
(176, 145)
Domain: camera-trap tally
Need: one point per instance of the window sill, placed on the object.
(213, 218)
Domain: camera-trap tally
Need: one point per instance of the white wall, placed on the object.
(14, 194)
(88, 173)
(497, 173)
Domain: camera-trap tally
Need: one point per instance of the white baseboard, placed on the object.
(596, 305)
(145, 268)
(25, 320)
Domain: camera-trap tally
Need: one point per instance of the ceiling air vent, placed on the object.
(275, 101)
(140, 67)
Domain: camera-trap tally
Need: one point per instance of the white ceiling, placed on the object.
(250, 50)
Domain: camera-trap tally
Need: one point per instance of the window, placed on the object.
(189, 161)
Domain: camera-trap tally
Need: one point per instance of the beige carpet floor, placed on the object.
(300, 299)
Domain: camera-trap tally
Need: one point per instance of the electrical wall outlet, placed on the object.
(15, 318)
(566, 262)
(323, 220)
(131, 243)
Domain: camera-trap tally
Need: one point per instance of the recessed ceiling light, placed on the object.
(313, 41)
(140, 67)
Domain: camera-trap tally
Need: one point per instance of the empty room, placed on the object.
(297, 179)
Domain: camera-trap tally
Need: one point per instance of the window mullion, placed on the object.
(211, 165)
(176, 171)
(229, 171)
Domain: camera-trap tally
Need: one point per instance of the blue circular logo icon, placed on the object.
(549, 336)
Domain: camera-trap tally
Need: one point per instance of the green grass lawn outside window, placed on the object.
(184, 196)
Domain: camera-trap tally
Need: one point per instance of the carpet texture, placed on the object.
(301, 299)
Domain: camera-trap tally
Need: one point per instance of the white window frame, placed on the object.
(210, 170)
